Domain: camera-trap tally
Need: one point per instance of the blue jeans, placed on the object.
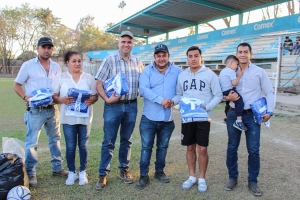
(148, 130)
(35, 119)
(115, 115)
(74, 133)
(252, 142)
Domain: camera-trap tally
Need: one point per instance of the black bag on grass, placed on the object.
(12, 173)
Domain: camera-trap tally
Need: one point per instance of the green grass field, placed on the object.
(279, 177)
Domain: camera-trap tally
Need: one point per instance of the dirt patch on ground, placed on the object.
(280, 159)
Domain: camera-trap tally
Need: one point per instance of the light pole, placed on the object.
(121, 5)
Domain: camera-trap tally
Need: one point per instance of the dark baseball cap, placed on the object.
(128, 33)
(161, 48)
(45, 41)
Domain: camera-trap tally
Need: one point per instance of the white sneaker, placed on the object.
(72, 177)
(83, 178)
(202, 187)
(188, 184)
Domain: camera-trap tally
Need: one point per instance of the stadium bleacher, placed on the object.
(217, 45)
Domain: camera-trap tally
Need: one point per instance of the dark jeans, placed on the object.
(252, 141)
(148, 130)
(115, 115)
(74, 133)
(239, 104)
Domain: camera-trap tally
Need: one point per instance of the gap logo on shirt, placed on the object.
(193, 85)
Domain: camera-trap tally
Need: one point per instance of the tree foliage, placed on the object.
(21, 27)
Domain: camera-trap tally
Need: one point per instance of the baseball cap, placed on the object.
(45, 41)
(161, 48)
(128, 33)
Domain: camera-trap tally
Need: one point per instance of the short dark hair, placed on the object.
(193, 48)
(68, 55)
(244, 44)
(231, 57)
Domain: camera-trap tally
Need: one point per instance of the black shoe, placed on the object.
(230, 185)
(162, 177)
(224, 120)
(254, 189)
(143, 182)
(240, 126)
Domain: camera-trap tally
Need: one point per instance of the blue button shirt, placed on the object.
(154, 87)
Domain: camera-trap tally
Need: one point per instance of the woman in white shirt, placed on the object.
(75, 127)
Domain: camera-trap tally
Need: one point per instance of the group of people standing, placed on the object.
(162, 85)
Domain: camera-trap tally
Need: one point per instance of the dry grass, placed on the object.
(280, 160)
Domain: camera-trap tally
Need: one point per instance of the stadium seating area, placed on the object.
(264, 37)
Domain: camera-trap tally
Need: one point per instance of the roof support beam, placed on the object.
(144, 27)
(266, 5)
(139, 36)
(215, 6)
(173, 19)
(241, 16)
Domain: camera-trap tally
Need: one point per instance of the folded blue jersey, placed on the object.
(191, 108)
(259, 108)
(116, 83)
(79, 96)
(40, 97)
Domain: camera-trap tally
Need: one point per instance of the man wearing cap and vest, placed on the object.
(35, 74)
(158, 86)
(119, 111)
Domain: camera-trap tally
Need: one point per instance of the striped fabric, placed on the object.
(114, 63)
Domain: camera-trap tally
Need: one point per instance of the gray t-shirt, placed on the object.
(226, 76)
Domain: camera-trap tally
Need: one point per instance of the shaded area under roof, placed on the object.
(169, 15)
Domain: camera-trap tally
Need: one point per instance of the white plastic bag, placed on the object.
(13, 146)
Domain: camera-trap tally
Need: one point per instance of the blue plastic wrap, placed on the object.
(40, 97)
(116, 83)
(78, 108)
(191, 110)
(259, 108)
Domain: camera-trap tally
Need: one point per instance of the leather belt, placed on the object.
(126, 101)
(41, 107)
(244, 111)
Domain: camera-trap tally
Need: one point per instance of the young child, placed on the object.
(228, 80)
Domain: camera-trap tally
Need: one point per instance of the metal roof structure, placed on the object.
(166, 16)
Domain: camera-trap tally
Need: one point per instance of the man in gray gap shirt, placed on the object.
(251, 86)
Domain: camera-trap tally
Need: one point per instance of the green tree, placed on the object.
(9, 20)
(35, 23)
(89, 37)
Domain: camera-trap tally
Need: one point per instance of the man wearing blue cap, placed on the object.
(157, 85)
(35, 74)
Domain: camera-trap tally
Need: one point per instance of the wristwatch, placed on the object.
(224, 98)
(270, 113)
